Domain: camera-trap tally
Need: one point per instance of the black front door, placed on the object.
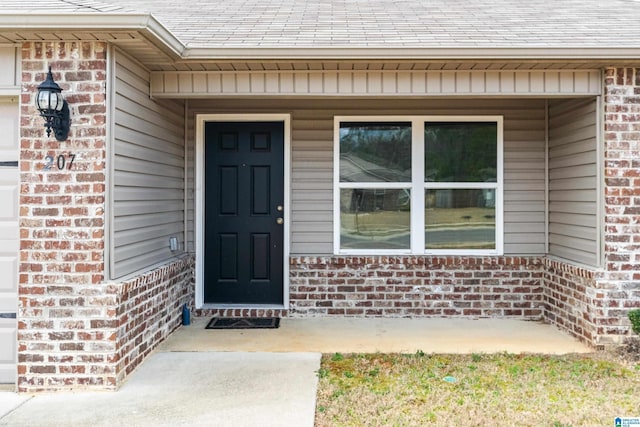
(244, 212)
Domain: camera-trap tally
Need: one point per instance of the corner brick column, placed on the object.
(618, 290)
(65, 326)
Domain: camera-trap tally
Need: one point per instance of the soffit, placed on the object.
(133, 42)
(389, 65)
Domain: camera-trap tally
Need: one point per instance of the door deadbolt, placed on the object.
(280, 208)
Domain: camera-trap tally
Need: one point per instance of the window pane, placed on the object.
(375, 219)
(375, 152)
(460, 151)
(460, 219)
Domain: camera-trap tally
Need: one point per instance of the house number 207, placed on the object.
(59, 162)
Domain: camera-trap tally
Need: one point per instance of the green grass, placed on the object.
(474, 390)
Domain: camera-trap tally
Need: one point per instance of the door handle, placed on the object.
(279, 221)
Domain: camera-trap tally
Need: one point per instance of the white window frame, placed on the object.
(418, 186)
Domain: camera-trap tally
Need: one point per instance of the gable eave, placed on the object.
(110, 27)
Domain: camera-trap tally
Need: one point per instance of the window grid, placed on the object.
(418, 186)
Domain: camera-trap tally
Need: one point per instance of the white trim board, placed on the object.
(201, 119)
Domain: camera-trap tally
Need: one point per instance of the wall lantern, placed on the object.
(53, 108)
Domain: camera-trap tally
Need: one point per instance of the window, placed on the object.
(418, 185)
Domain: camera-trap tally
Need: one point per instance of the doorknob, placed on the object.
(279, 221)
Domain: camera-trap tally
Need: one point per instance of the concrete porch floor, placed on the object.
(349, 335)
(265, 377)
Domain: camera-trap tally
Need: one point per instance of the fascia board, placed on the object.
(440, 53)
(144, 23)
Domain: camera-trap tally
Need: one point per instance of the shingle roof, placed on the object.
(209, 24)
(57, 6)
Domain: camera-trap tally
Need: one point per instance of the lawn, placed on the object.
(476, 390)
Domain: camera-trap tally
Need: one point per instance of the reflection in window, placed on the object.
(460, 219)
(447, 169)
(375, 152)
(375, 219)
(460, 151)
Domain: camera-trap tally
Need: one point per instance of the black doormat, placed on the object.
(244, 323)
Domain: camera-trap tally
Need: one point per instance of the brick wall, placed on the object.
(620, 283)
(407, 286)
(149, 309)
(569, 298)
(64, 337)
(576, 299)
(75, 330)
(622, 173)
(105, 330)
(61, 295)
(62, 209)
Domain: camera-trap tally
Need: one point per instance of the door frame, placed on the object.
(201, 119)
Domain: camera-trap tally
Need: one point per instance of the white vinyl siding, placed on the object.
(573, 186)
(312, 160)
(148, 178)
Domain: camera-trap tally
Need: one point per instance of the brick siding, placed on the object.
(75, 330)
(619, 287)
(408, 286)
(622, 173)
(149, 309)
(568, 296)
(63, 301)
(62, 210)
(95, 335)
(575, 299)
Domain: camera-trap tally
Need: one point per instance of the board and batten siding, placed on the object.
(573, 180)
(148, 172)
(312, 160)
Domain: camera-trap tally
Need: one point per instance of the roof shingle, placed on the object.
(378, 23)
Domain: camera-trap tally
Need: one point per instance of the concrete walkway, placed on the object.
(349, 335)
(187, 389)
(264, 377)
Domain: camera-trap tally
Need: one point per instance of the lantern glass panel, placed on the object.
(43, 100)
(57, 99)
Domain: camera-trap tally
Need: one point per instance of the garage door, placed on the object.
(9, 180)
